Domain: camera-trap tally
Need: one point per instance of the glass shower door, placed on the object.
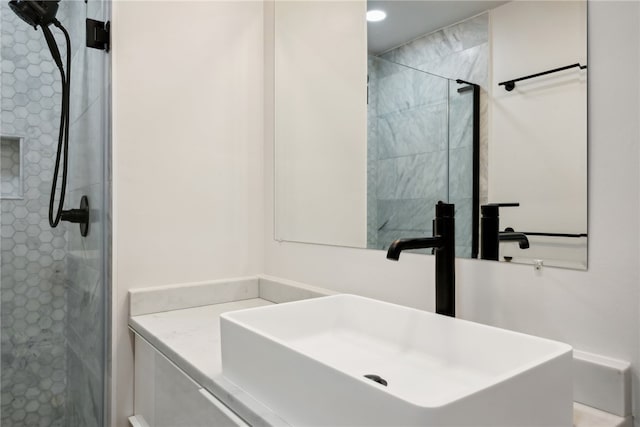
(54, 284)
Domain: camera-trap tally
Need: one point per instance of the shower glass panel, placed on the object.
(54, 283)
(419, 149)
(407, 151)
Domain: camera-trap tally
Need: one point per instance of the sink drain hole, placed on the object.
(376, 378)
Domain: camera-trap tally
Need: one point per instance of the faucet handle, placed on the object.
(445, 210)
(493, 209)
(504, 205)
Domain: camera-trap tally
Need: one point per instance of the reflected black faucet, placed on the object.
(444, 244)
(509, 235)
(491, 236)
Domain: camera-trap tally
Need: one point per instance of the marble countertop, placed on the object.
(190, 338)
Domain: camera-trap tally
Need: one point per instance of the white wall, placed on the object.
(321, 122)
(596, 310)
(187, 200)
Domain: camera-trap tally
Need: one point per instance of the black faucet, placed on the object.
(510, 235)
(491, 236)
(444, 244)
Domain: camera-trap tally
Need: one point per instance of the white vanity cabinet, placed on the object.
(166, 397)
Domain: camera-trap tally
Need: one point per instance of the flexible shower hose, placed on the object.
(63, 134)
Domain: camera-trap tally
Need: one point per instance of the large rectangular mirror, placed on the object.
(478, 103)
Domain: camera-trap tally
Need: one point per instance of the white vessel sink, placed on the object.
(307, 361)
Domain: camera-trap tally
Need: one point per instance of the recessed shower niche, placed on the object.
(11, 167)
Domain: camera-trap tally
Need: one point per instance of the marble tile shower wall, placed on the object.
(52, 371)
(33, 312)
(420, 132)
(407, 134)
(460, 51)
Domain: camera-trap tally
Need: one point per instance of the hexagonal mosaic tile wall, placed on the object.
(33, 311)
(54, 282)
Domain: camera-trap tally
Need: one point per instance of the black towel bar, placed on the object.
(510, 84)
(534, 233)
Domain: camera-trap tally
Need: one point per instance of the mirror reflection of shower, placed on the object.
(421, 147)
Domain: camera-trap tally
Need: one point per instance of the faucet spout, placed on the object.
(418, 243)
(444, 243)
(510, 236)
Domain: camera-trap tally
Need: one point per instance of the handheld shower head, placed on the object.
(43, 13)
(35, 12)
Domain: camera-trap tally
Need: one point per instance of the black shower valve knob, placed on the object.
(79, 216)
(76, 216)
